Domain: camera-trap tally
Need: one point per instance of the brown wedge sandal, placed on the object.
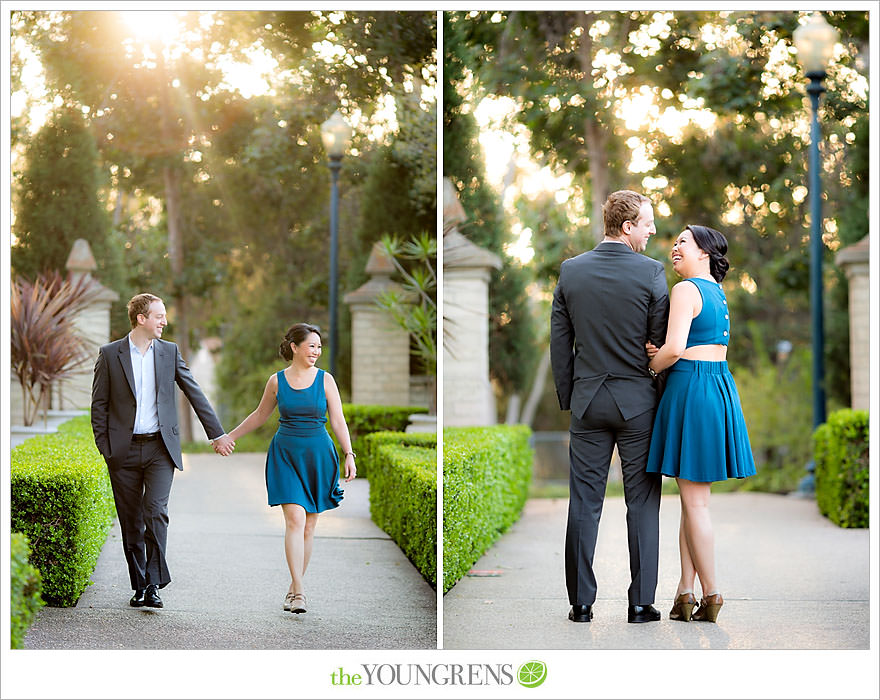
(683, 607)
(709, 607)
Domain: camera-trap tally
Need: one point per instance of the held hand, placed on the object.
(651, 350)
(223, 445)
(350, 468)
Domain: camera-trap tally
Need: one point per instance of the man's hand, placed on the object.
(651, 350)
(223, 445)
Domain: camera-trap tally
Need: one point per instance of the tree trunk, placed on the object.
(537, 390)
(175, 237)
(175, 255)
(595, 136)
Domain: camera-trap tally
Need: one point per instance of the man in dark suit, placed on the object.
(134, 420)
(609, 302)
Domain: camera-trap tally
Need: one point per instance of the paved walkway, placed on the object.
(790, 578)
(226, 556)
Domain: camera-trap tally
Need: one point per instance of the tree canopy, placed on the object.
(215, 186)
(705, 113)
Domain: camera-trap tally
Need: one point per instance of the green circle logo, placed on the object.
(531, 674)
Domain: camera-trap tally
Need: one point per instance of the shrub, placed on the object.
(61, 499)
(403, 493)
(841, 453)
(486, 475)
(24, 589)
(777, 407)
(364, 420)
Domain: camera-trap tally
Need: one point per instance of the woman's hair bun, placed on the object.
(714, 244)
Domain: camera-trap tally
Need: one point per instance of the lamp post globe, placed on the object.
(815, 41)
(336, 135)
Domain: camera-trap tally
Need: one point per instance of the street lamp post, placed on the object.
(336, 135)
(815, 43)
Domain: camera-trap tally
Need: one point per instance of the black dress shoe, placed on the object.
(642, 613)
(137, 600)
(580, 613)
(151, 597)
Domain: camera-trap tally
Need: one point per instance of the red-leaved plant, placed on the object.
(45, 344)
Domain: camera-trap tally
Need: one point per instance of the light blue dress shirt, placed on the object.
(143, 367)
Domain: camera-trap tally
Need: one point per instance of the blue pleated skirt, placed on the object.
(700, 433)
(302, 467)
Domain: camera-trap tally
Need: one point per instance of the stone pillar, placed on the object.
(379, 346)
(854, 261)
(93, 324)
(467, 394)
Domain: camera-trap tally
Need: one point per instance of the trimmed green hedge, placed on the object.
(364, 420)
(24, 589)
(61, 499)
(486, 475)
(841, 454)
(403, 493)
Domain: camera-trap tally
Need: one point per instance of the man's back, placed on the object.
(607, 304)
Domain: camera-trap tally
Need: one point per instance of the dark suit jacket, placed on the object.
(114, 404)
(607, 304)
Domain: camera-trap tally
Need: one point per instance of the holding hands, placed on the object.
(223, 445)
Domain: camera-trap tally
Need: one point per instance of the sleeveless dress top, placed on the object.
(700, 433)
(302, 465)
(712, 325)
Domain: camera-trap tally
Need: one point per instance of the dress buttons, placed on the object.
(725, 332)
(726, 317)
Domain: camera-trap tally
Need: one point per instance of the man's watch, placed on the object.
(652, 373)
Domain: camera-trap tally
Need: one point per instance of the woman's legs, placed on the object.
(688, 572)
(698, 536)
(294, 543)
(308, 537)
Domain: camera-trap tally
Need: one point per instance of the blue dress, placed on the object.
(700, 433)
(302, 465)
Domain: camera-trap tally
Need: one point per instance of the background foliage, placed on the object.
(703, 111)
(191, 187)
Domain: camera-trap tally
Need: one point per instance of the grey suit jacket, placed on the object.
(607, 304)
(114, 404)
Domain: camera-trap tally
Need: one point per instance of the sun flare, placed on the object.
(152, 24)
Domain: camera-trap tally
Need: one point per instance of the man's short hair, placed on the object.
(621, 206)
(140, 304)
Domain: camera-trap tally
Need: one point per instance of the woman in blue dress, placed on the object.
(700, 434)
(302, 466)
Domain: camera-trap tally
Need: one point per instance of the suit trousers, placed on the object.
(141, 487)
(592, 441)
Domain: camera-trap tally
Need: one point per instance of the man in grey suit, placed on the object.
(609, 302)
(134, 420)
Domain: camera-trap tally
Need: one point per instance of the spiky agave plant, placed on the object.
(45, 346)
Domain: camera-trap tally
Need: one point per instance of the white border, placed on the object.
(572, 674)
